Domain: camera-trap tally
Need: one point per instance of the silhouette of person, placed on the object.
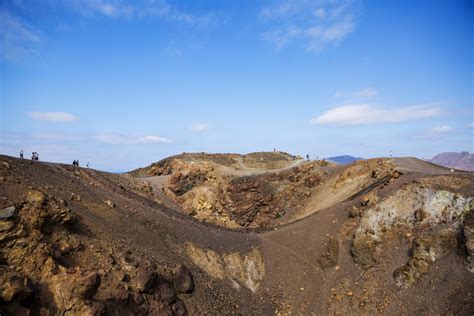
(307, 157)
(21, 154)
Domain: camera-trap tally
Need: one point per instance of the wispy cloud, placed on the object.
(122, 139)
(199, 127)
(358, 114)
(435, 133)
(18, 39)
(441, 130)
(53, 116)
(316, 24)
(137, 9)
(366, 93)
(57, 136)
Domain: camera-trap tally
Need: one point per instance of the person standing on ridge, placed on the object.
(21, 154)
(307, 157)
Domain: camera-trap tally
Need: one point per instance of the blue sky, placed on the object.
(122, 84)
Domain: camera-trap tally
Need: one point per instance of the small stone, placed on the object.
(110, 203)
(120, 275)
(6, 164)
(145, 279)
(183, 280)
(408, 235)
(7, 212)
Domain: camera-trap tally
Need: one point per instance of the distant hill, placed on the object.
(344, 160)
(462, 161)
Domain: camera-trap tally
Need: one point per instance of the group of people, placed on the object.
(34, 155)
(76, 163)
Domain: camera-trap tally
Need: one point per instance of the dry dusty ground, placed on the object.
(264, 233)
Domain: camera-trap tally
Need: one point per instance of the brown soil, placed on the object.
(232, 234)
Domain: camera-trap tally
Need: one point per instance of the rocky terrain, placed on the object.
(263, 233)
(461, 161)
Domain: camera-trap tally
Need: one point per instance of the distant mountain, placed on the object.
(344, 160)
(462, 161)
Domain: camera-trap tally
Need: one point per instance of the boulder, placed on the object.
(145, 279)
(468, 234)
(7, 213)
(182, 279)
(15, 287)
(365, 249)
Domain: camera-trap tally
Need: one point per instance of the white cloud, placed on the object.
(199, 127)
(366, 93)
(436, 133)
(17, 39)
(357, 114)
(439, 130)
(136, 9)
(316, 24)
(121, 139)
(53, 116)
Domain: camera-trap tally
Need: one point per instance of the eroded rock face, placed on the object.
(468, 238)
(411, 206)
(45, 268)
(247, 270)
(425, 251)
(241, 201)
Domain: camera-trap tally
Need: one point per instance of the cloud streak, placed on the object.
(360, 114)
(136, 9)
(436, 133)
(18, 38)
(366, 93)
(199, 127)
(53, 116)
(122, 139)
(316, 24)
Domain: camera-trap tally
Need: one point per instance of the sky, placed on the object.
(122, 84)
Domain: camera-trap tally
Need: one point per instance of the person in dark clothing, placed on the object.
(307, 157)
(21, 154)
